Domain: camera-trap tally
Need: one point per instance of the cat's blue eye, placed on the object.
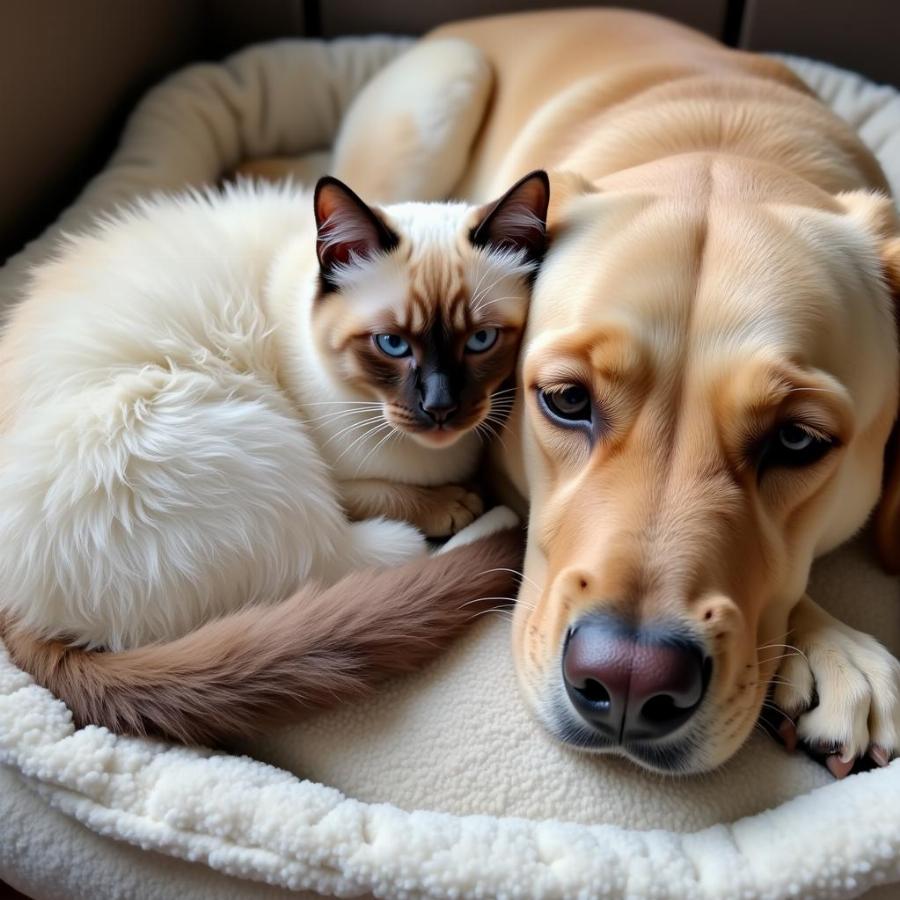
(393, 345)
(482, 340)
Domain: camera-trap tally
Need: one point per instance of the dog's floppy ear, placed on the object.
(566, 186)
(887, 522)
(877, 215)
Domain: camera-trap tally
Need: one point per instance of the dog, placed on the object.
(707, 389)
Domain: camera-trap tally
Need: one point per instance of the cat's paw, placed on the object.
(445, 510)
(500, 518)
(841, 690)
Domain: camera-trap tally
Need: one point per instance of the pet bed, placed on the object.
(441, 786)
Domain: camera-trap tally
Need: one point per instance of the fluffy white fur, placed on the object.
(169, 434)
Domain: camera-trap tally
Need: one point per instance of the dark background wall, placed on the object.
(70, 70)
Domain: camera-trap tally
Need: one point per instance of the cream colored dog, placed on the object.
(707, 388)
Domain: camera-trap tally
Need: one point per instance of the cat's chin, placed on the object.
(437, 438)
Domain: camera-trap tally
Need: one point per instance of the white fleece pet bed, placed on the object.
(507, 811)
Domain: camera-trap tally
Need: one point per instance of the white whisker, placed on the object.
(392, 433)
(374, 430)
(352, 426)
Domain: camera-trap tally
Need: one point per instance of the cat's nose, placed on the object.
(437, 400)
(438, 414)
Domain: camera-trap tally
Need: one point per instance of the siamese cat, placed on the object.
(215, 408)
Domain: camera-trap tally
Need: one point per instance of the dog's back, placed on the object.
(600, 91)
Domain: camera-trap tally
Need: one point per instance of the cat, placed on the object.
(214, 400)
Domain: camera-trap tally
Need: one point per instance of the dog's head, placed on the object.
(708, 382)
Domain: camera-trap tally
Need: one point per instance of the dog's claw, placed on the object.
(837, 758)
(842, 690)
(879, 755)
(787, 732)
(839, 767)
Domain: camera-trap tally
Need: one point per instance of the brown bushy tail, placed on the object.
(267, 664)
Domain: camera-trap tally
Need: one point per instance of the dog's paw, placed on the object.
(840, 691)
(445, 510)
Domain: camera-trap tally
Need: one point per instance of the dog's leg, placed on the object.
(842, 690)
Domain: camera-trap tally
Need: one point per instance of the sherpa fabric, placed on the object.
(455, 792)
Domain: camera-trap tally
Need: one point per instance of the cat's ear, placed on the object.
(518, 220)
(346, 228)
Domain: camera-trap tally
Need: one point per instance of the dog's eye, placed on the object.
(567, 405)
(794, 445)
(482, 340)
(392, 345)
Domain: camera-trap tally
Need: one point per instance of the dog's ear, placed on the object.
(887, 522)
(877, 215)
(565, 186)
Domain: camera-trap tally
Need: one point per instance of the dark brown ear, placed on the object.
(887, 517)
(518, 220)
(346, 229)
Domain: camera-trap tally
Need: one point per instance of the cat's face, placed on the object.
(422, 306)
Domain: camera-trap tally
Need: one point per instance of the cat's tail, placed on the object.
(268, 664)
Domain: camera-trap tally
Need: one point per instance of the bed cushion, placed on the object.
(442, 785)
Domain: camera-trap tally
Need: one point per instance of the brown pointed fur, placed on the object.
(266, 665)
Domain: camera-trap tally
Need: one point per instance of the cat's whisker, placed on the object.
(358, 404)
(480, 292)
(484, 432)
(343, 403)
(481, 278)
(392, 433)
(496, 435)
(342, 414)
(478, 297)
(496, 426)
(374, 430)
(371, 433)
(352, 426)
(486, 303)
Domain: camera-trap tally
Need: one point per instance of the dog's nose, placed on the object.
(632, 685)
